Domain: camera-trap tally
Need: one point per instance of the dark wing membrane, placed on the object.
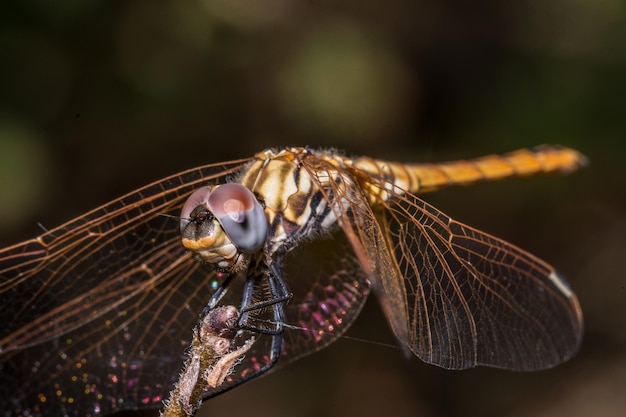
(322, 313)
(455, 296)
(127, 358)
(329, 290)
(97, 313)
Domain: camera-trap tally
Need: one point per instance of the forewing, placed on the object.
(97, 313)
(473, 299)
(455, 296)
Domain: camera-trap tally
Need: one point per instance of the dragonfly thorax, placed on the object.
(223, 225)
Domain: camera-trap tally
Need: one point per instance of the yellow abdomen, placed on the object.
(424, 177)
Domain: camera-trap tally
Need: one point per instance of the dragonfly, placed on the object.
(98, 314)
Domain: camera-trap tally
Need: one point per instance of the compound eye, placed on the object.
(198, 198)
(240, 215)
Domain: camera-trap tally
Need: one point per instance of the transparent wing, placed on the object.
(455, 296)
(473, 299)
(97, 313)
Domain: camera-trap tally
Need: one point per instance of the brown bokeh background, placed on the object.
(100, 97)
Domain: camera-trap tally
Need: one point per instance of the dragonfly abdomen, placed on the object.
(424, 177)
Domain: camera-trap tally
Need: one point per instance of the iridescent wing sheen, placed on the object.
(97, 313)
(329, 307)
(455, 296)
(329, 290)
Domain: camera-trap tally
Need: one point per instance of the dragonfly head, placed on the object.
(223, 225)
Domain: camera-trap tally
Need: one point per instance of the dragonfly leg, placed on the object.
(279, 294)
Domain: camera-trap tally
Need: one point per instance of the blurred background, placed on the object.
(98, 98)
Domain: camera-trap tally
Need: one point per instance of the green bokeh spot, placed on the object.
(23, 169)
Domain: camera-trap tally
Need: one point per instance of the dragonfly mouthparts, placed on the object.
(201, 214)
